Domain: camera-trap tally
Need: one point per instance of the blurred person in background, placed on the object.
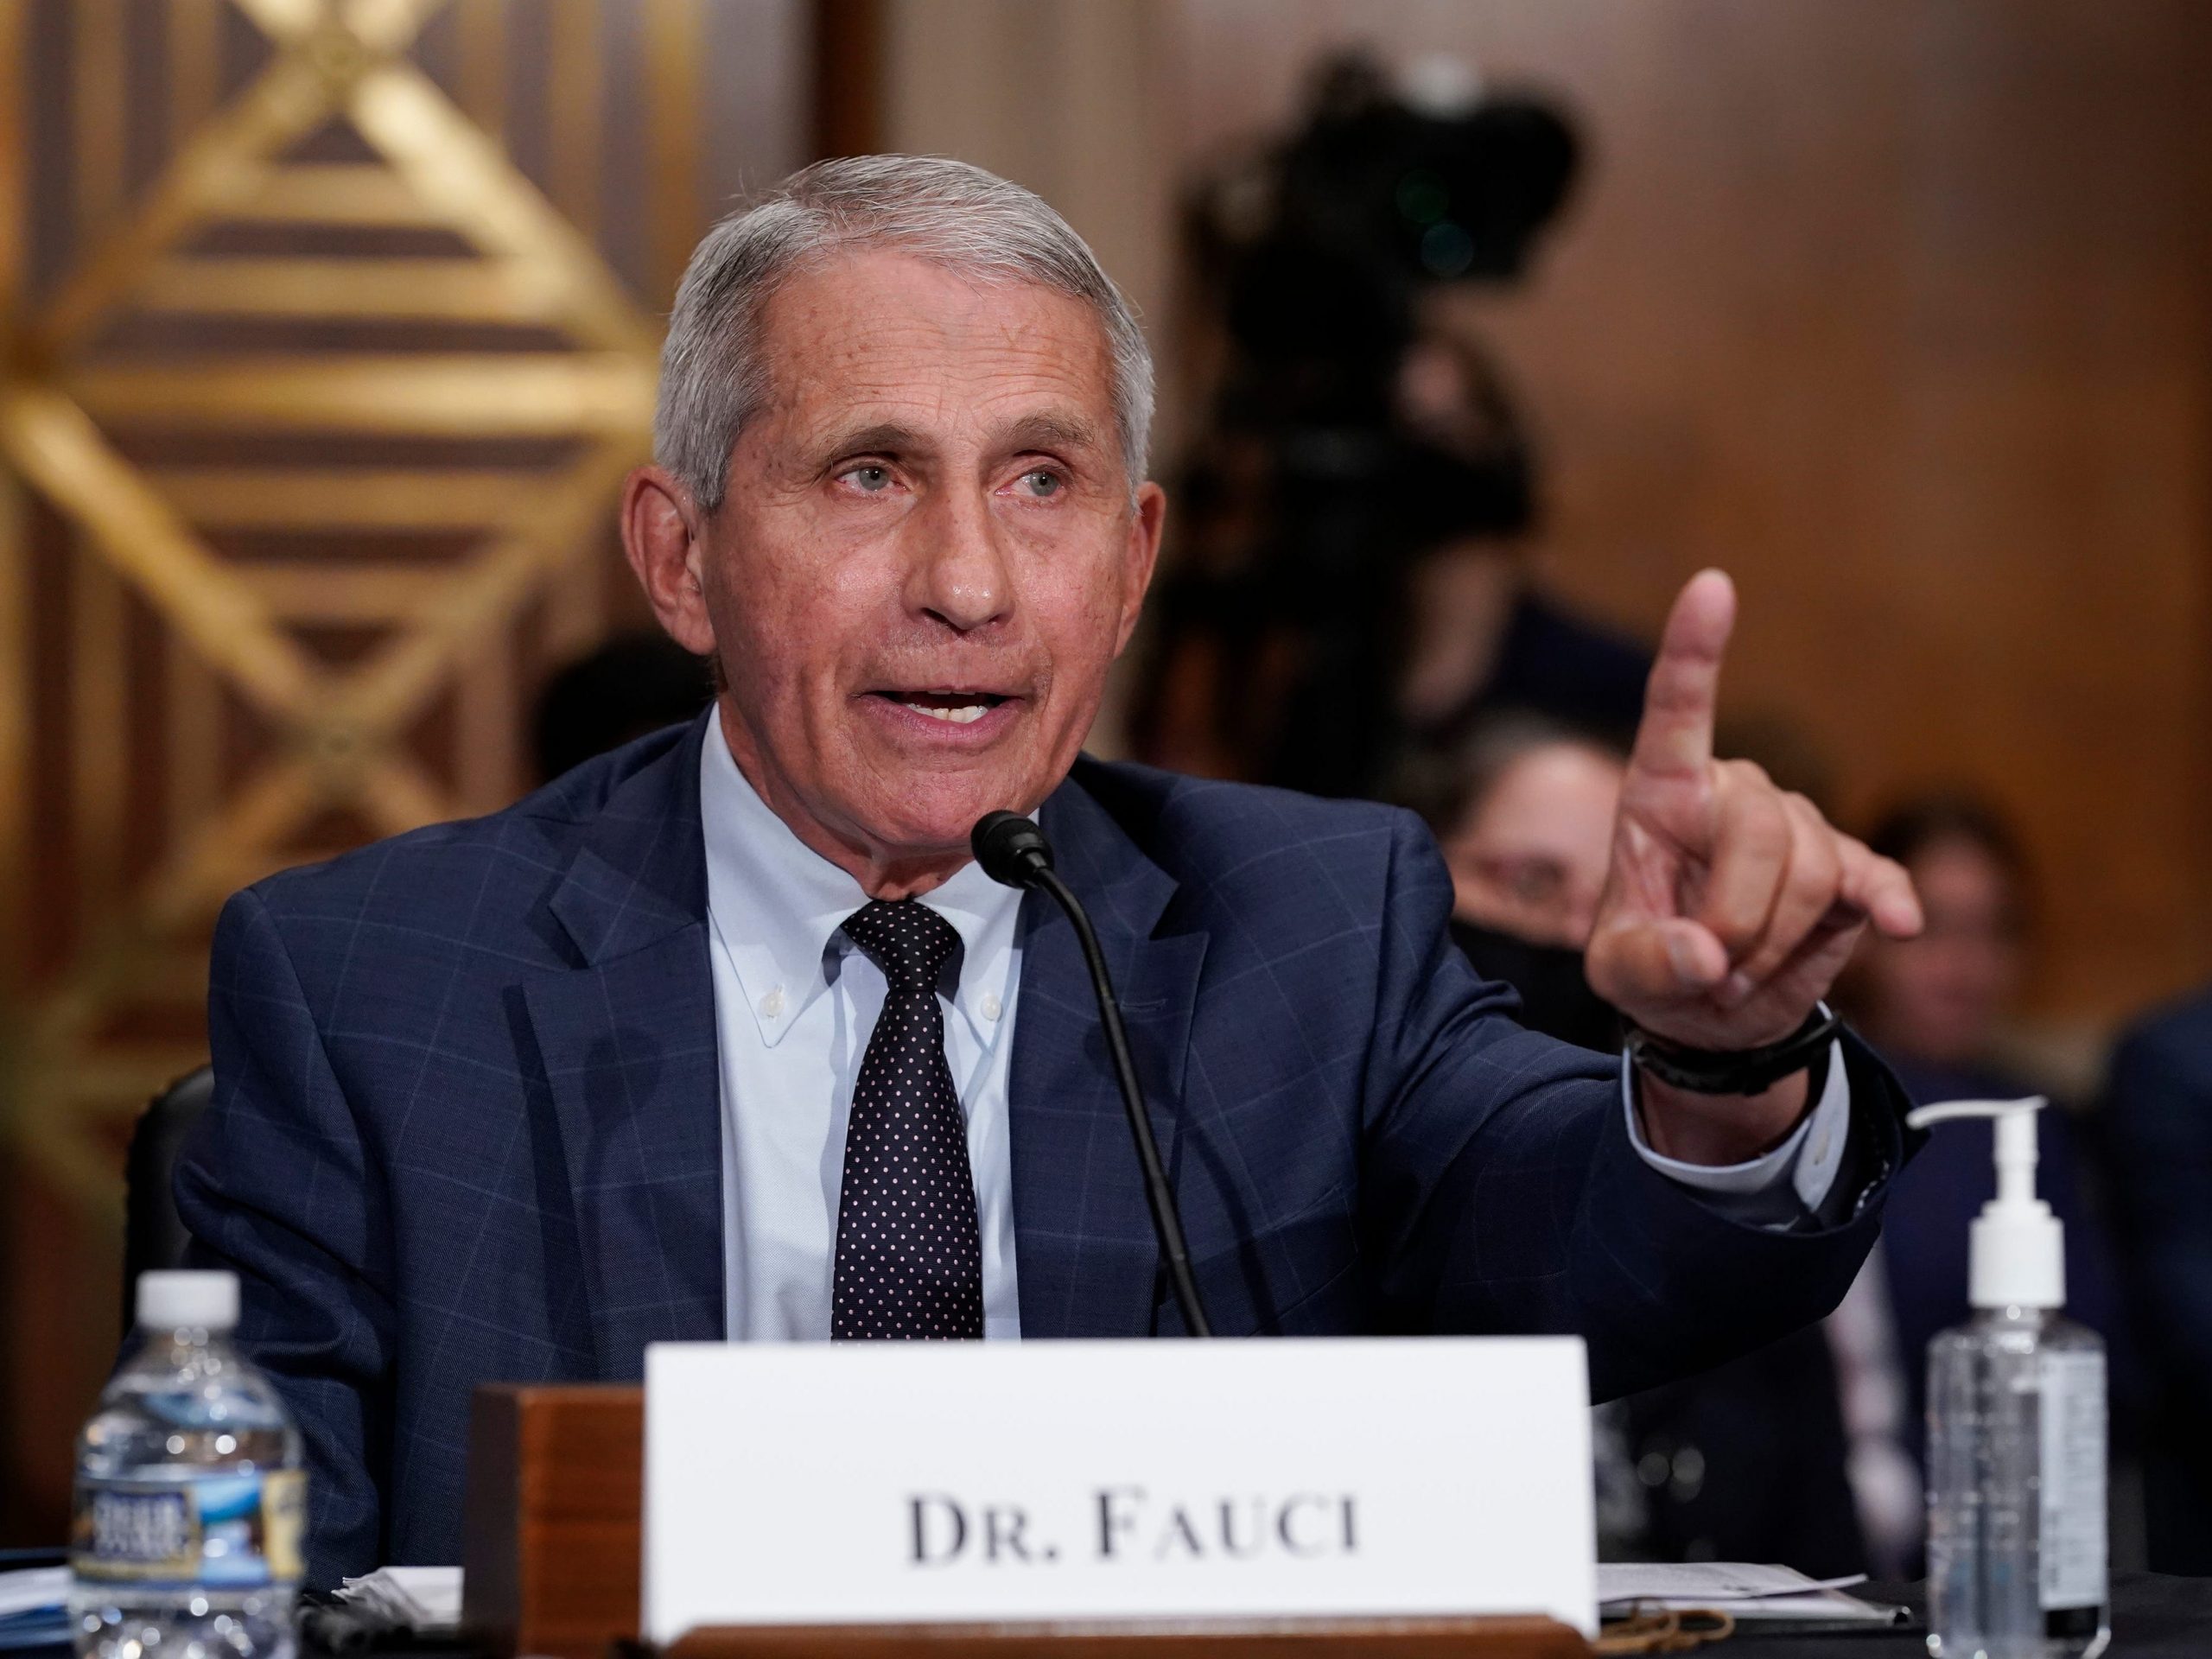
(1936, 1004)
(1524, 811)
(2157, 1121)
(632, 684)
(1745, 1462)
(1935, 1008)
(1351, 579)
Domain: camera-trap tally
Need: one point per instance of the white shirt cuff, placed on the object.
(1808, 1160)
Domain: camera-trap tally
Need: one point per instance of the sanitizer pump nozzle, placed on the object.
(2017, 1252)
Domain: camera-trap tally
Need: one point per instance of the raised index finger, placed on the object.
(1675, 736)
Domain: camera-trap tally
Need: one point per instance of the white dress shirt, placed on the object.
(795, 1001)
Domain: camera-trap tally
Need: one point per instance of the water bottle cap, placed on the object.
(173, 1301)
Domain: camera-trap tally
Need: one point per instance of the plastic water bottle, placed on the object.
(2016, 1434)
(191, 1499)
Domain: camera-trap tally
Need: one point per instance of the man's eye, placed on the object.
(1042, 481)
(870, 481)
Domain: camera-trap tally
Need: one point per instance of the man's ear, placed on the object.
(1146, 524)
(661, 527)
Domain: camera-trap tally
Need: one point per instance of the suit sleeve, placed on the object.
(275, 1184)
(1502, 1192)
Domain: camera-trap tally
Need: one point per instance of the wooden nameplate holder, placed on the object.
(552, 1550)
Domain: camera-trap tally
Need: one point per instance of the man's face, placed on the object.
(927, 558)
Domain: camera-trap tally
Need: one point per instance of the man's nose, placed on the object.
(960, 575)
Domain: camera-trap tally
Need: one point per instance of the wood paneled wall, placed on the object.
(1897, 309)
(327, 335)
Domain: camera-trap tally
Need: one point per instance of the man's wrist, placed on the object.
(1740, 1072)
(1692, 1126)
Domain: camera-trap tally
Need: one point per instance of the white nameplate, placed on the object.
(866, 1482)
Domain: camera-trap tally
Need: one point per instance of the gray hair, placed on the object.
(712, 377)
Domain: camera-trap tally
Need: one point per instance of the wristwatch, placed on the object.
(1734, 1072)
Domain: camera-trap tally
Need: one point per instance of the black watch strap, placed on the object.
(1739, 1071)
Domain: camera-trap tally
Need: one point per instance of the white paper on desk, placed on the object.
(409, 1598)
(1743, 1589)
(33, 1589)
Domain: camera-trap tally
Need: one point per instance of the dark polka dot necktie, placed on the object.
(910, 1256)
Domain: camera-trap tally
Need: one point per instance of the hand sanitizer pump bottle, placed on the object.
(2016, 1433)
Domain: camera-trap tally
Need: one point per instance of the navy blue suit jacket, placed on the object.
(465, 1124)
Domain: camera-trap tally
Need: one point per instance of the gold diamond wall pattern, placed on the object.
(311, 444)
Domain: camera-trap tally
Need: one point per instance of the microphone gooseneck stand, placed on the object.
(1013, 849)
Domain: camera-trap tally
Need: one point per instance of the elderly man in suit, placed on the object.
(725, 1036)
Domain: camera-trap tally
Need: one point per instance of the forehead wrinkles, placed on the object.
(837, 340)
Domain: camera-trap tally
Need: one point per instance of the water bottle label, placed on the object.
(2073, 1508)
(239, 1530)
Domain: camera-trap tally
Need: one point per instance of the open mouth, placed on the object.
(954, 708)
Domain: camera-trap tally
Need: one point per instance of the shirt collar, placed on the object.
(777, 906)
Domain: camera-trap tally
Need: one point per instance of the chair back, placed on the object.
(153, 1235)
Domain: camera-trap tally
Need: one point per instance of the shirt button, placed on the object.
(771, 1006)
(992, 1007)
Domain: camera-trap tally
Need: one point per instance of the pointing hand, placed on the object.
(1730, 905)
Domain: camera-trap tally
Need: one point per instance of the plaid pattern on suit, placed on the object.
(466, 1126)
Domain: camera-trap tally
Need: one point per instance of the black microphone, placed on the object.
(1013, 849)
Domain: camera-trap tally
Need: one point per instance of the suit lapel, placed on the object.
(1086, 1256)
(627, 1043)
